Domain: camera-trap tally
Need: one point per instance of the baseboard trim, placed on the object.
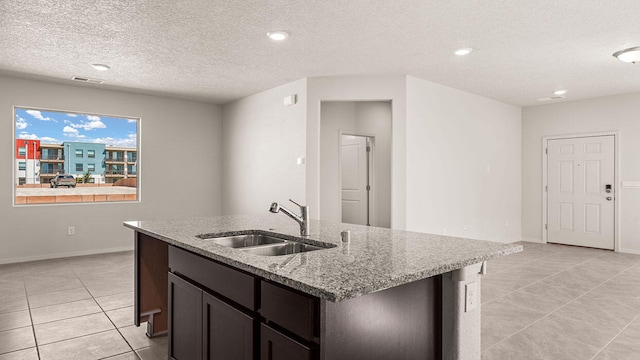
(629, 251)
(64, 255)
(533, 240)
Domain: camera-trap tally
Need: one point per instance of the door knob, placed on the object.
(607, 188)
(609, 198)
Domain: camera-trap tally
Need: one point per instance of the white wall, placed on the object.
(176, 136)
(361, 117)
(389, 88)
(614, 113)
(261, 141)
(463, 163)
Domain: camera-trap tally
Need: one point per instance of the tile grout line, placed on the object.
(107, 316)
(533, 283)
(33, 326)
(615, 337)
(555, 310)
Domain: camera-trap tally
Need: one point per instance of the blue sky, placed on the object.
(52, 127)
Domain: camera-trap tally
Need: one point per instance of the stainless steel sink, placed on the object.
(261, 244)
(280, 249)
(243, 241)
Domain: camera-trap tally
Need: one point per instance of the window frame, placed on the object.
(61, 155)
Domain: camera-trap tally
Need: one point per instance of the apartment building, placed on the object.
(27, 161)
(38, 163)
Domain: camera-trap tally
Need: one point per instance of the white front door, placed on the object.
(580, 193)
(354, 180)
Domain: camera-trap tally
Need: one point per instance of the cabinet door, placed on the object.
(185, 320)
(277, 346)
(228, 332)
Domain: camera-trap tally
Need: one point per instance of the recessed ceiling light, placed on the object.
(560, 92)
(630, 55)
(278, 35)
(463, 51)
(101, 67)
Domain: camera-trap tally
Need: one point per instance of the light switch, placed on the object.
(290, 100)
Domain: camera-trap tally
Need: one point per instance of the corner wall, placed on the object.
(180, 157)
(612, 113)
(463, 163)
(261, 141)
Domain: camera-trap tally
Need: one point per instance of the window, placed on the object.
(63, 143)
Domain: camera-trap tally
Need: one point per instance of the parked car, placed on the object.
(63, 180)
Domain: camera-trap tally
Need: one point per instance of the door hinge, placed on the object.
(546, 227)
(368, 187)
(368, 148)
(546, 188)
(546, 150)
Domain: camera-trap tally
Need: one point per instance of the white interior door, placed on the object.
(353, 164)
(580, 193)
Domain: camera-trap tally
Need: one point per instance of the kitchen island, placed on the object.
(387, 294)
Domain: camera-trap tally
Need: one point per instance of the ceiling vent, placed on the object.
(551, 98)
(87, 80)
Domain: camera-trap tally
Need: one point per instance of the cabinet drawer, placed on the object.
(277, 346)
(230, 283)
(293, 311)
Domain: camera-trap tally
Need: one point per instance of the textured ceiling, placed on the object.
(217, 51)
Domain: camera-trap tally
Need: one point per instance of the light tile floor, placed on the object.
(72, 308)
(550, 302)
(554, 302)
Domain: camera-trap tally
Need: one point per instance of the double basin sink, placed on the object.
(261, 244)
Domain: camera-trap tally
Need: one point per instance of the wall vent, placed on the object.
(87, 80)
(550, 98)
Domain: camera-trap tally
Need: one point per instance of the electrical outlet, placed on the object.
(71, 230)
(471, 302)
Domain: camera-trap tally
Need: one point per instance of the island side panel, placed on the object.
(403, 322)
(151, 280)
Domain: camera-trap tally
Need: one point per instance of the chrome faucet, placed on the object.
(303, 219)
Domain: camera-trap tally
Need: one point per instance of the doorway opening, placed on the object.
(347, 194)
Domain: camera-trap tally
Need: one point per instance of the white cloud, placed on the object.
(93, 118)
(72, 115)
(70, 132)
(21, 123)
(93, 124)
(49, 140)
(38, 115)
(132, 121)
(130, 141)
(25, 135)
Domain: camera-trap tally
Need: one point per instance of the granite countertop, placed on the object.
(375, 259)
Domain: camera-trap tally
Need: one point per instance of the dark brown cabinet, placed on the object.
(276, 346)
(185, 320)
(228, 332)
